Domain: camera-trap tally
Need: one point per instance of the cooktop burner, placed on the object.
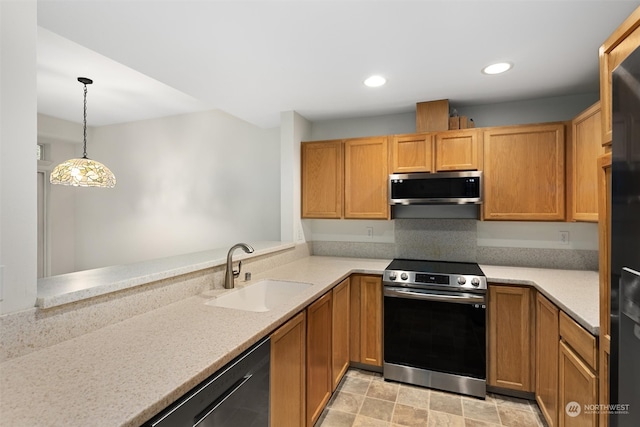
(464, 276)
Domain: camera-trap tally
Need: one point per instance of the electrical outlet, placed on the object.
(564, 237)
(370, 232)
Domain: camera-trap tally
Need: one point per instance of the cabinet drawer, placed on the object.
(582, 342)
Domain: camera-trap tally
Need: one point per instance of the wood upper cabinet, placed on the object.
(366, 319)
(288, 366)
(547, 338)
(366, 178)
(340, 332)
(319, 360)
(624, 40)
(524, 173)
(458, 150)
(322, 167)
(511, 363)
(604, 255)
(412, 153)
(436, 152)
(345, 178)
(582, 165)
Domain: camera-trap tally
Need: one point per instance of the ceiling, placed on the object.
(254, 60)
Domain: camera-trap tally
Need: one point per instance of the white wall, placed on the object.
(184, 184)
(542, 110)
(293, 129)
(18, 164)
(63, 141)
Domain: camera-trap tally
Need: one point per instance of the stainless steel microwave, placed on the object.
(435, 188)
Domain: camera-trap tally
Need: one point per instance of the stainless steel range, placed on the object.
(435, 325)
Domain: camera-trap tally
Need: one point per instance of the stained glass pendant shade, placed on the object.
(83, 172)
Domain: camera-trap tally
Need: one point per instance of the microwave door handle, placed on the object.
(459, 299)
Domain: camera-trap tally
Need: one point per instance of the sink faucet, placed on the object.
(230, 273)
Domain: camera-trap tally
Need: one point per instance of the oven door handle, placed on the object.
(463, 298)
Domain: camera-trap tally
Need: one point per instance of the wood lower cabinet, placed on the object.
(319, 381)
(582, 165)
(340, 332)
(458, 150)
(366, 176)
(511, 363)
(578, 381)
(366, 319)
(547, 337)
(578, 387)
(322, 175)
(288, 367)
(524, 173)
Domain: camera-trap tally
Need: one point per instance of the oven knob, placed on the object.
(392, 276)
(404, 276)
(475, 282)
(461, 280)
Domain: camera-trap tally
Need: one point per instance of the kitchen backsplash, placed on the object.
(457, 240)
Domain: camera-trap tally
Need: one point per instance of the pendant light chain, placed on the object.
(84, 156)
(83, 172)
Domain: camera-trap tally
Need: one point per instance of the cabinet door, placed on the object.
(578, 387)
(510, 358)
(366, 319)
(366, 178)
(340, 332)
(547, 338)
(624, 40)
(524, 175)
(287, 383)
(322, 179)
(371, 320)
(582, 162)
(319, 384)
(604, 254)
(412, 153)
(458, 151)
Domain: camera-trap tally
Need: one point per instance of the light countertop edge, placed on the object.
(73, 287)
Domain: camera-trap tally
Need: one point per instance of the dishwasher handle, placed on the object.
(215, 405)
(461, 298)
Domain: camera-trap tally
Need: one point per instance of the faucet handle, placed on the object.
(236, 273)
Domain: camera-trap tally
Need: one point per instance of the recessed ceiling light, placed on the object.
(375, 81)
(497, 68)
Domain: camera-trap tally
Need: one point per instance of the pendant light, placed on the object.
(83, 172)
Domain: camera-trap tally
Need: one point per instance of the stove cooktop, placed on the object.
(438, 267)
(441, 274)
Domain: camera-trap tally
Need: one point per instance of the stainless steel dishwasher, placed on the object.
(236, 395)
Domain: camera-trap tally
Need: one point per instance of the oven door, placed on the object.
(443, 332)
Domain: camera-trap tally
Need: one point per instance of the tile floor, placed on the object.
(364, 399)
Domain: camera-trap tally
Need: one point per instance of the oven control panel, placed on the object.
(419, 279)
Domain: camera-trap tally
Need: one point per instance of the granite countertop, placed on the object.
(123, 374)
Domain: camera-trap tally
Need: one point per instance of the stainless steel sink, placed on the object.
(260, 296)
